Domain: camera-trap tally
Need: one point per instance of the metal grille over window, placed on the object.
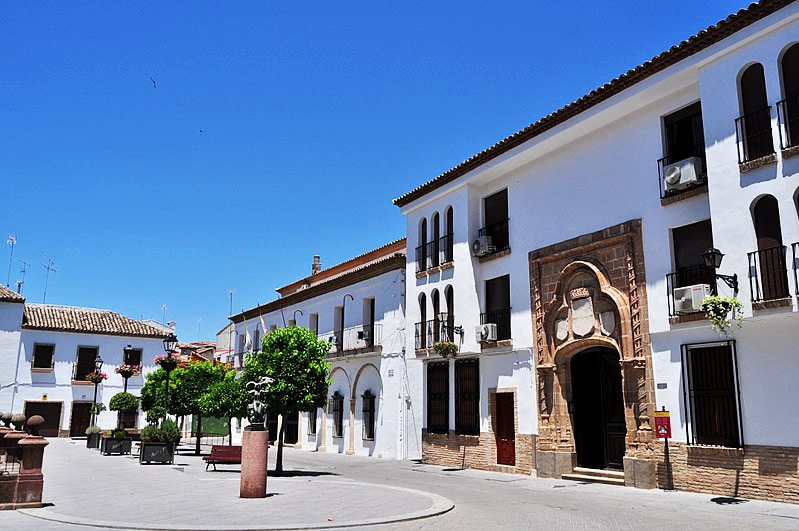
(438, 397)
(337, 403)
(368, 415)
(711, 394)
(467, 397)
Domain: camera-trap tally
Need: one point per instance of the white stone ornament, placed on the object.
(582, 316)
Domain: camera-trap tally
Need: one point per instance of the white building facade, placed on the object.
(358, 307)
(575, 249)
(46, 350)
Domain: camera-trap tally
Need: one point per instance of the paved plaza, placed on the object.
(88, 490)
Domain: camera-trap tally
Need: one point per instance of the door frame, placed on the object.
(71, 418)
(493, 417)
(60, 417)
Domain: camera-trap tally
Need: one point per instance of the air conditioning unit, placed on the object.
(689, 298)
(333, 340)
(485, 332)
(683, 174)
(363, 335)
(482, 246)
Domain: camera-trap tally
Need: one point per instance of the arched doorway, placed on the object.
(597, 408)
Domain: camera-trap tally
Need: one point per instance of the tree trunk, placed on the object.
(230, 431)
(279, 460)
(199, 435)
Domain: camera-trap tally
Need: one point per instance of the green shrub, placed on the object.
(170, 430)
(118, 434)
(124, 402)
(155, 415)
(151, 433)
(92, 430)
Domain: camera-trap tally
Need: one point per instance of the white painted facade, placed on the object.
(599, 169)
(383, 371)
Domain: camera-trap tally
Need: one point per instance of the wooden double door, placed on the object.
(598, 409)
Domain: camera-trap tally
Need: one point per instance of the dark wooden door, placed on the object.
(50, 411)
(505, 430)
(292, 432)
(80, 419)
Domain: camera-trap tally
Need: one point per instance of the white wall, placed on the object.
(10, 333)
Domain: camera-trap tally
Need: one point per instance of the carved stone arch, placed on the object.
(358, 377)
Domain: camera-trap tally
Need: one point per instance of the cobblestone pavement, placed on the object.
(338, 490)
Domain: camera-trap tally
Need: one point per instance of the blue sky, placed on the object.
(275, 131)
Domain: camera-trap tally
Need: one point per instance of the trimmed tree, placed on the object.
(225, 399)
(295, 360)
(123, 402)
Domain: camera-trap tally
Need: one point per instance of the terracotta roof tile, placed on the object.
(6, 295)
(686, 48)
(85, 320)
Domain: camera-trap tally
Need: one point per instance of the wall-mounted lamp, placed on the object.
(712, 258)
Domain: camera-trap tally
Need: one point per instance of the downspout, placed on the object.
(14, 389)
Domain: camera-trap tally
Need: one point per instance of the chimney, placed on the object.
(316, 266)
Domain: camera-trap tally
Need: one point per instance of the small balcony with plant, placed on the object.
(428, 333)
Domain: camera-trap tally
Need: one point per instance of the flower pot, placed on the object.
(110, 446)
(168, 365)
(157, 452)
(92, 440)
(126, 374)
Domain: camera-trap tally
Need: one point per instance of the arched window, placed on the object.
(421, 249)
(434, 243)
(446, 241)
(788, 108)
(449, 295)
(436, 301)
(368, 415)
(256, 340)
(754, 126)
(421, 326)
(768, 263)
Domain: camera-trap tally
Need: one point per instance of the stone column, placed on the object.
(254, 448)
(351, 449)
(323, 427)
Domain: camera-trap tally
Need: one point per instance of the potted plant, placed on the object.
(724, 313)
(96, 377)
(168, 363)
(116, 442)
(123, 403)
(158, 442)
(126, 371)
(93, 437)
(446, 349)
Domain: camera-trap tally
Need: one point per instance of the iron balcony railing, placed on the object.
(421, 258)
(353, 338)
(795, 250)
(445, 244)
(698, 151)
(688, 276)
(768, 274)
(500, 238)
(753, 135)
(501, 318)
(788, 118)
(426, 333)
(432, 253)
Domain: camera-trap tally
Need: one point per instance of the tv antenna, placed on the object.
(11, 240)
(163, 310)
(49, 267)
(20, 282)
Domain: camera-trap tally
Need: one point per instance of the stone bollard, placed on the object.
(254, 447)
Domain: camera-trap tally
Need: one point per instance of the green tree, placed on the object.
(295, 360)
(225, 399)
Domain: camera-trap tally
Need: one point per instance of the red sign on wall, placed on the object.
(662, 425)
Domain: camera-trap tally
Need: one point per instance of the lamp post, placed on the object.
(712, 258)
(127, 353)
(295, 316)
(170, 343)
(98, 366)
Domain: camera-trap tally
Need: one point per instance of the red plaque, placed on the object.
(662, 425)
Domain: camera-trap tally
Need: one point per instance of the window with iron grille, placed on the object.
(337, 403)
(256, 340)
(312, 422)
(711, 394)
(368, 415)
(132, 356)
(42, 356)
(438, 397)
(467, 397)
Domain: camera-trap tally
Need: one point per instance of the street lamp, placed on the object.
(170, 344)
(712, 258)
(127, 354)
(98, 366)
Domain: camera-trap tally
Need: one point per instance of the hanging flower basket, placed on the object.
(725, 314)
(96, 377)
(167, 363)
(446, 349)
(126, 371)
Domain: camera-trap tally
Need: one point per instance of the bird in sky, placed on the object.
(153, 80)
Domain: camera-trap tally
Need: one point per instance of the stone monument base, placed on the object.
(254, 446)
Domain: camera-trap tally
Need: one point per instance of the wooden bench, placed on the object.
(223, 455)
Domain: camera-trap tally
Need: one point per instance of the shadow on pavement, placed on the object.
(299, 474)
(727, 501)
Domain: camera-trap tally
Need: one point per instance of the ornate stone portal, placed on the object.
(590, 292)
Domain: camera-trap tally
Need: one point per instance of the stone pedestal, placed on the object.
(640, 473)
(254, 446)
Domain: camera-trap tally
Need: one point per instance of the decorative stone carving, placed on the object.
(607, 322)
(582, 316)
(562, 329)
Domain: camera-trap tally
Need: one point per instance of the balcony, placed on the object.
(421, 258)
(684, 277)
(768, 276)
(788, 117)
(355, 340)
(687, 181)
(429, 332)
(501, 318)
(445, 245)
(753, 137)
(498, 232)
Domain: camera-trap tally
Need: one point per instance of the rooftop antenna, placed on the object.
(11, 240)
(25, 266)
(199, 323)
(49, 267)
(163, 309)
